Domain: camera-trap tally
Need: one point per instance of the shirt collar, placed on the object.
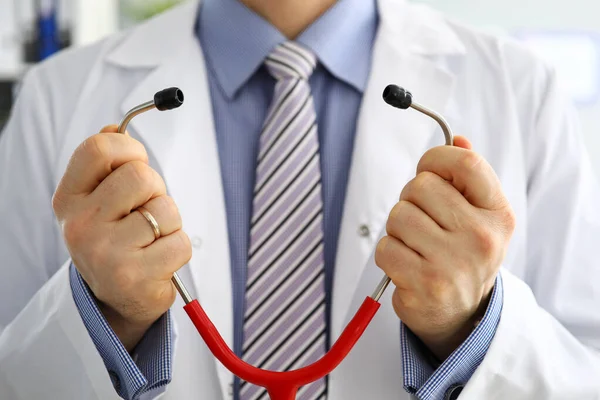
(236, 41)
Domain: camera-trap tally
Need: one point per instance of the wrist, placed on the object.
(443, 342)
(130, 333)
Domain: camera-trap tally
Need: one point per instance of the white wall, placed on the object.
(93, 20)
(515, 15)
(10, 49)
(579, 14)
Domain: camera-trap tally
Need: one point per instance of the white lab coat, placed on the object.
(493, 91)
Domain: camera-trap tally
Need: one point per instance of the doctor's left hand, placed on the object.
(447, 237)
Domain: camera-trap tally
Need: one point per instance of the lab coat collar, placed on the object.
(417, 30)
(158, 40)
(408, 37)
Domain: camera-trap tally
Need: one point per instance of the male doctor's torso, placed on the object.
(492, 91)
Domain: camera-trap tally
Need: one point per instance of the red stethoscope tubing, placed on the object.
(283, 385)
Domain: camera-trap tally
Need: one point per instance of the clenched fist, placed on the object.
(447, 237)
(112, 245)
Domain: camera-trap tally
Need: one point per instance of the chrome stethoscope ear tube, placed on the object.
(394, 95)
(167, 99)
(398, 97)
(401, 98)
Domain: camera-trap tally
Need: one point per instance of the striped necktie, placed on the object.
(284, 318)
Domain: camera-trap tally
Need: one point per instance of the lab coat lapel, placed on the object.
(182, 147)
(389, 142)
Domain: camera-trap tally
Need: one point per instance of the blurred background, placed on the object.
(565, 33)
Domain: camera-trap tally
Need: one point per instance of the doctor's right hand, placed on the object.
(112, 245)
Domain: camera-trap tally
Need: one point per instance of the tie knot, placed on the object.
(290, 60)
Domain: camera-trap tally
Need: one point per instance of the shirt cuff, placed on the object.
(150, 365)
(429, 383)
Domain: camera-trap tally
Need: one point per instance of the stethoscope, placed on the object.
(284, 385)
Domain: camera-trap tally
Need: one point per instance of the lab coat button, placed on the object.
(364, 231)
(453, 392)
(196, 242)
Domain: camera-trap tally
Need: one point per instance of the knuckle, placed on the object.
(169, 253)
(398, 303)
(178, 250)
(109, 128)
(404, 216)
(421, 185)
(140, 173)
(96, 254)
(390, 259)
(142, 154)
(486, 242)
(428, 157)
(380, 251)
(163, 294)
(186, 247)
(171, 209)
(437, 287)
(393, 219)
(126, 277)
(404, 302)
(426, 180)
(58, 204)
(170, 294)
(97, 146)
(469, 160)
(510, 220)
(74, 231)
(413, 222)
(408, 192)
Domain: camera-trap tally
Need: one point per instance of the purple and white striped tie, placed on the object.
(284, 319)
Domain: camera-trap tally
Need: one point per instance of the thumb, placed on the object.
(462, 142)
(110, 129)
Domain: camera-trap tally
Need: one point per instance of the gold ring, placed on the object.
(151, 220)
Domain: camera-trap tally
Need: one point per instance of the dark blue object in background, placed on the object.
(48, 38)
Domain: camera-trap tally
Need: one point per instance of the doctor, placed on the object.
(279, 188)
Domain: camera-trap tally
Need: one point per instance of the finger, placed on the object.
(462, 142)
(167, 255)
(113, 129)
(468, 172)
(96, 158)
(398, 261)
(132, 185)
(135, 231)
(438, 199)
(417, 230)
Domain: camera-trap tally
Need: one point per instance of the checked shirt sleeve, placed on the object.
(425, 381)
(141, 375)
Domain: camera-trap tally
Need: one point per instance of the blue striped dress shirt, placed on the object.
(235, 41)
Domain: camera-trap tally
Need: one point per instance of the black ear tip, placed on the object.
(397, 97)
(389, 89)
(168, 99)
